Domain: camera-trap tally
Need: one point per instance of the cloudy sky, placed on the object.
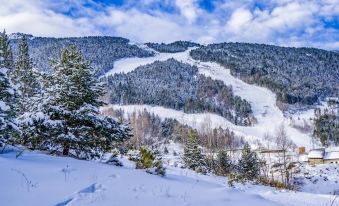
(281, 22)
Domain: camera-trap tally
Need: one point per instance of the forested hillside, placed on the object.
(177, 46)
(327, 129)
(177, 85)
(149, 129)
(327, 124)
(297, 75)
(100, 51)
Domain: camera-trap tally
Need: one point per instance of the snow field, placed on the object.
(38, 179)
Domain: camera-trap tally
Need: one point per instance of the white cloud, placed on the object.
(291, 15)
(23, 16)
(283, 22)
(188, 9)
(142, 27)
(287, 23)
(240, 19)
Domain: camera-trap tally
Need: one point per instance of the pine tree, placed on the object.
(224, 163)
(7, 51)
(8, 96)
(70, 111)
(193, 157)
(248, 165)
(25, 77)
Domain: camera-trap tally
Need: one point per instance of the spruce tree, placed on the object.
(248, 165)
(25, 77)
(7, 51)
(70, 111)
(193, 157)
(8, 96)
(224, 163)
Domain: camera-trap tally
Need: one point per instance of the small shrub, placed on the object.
(133, 155)
(146, 159)
(114, 158)
(274, 183)
(234, 177)
(149, 161)
(159, 168)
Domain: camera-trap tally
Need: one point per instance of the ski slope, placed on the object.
(262, 100)
(129, 64)
(36, 179)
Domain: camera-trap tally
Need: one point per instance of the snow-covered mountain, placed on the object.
(199, 92)
(262, 100)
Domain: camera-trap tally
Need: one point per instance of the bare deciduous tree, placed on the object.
(285, 144)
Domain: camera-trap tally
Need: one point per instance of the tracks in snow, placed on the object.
(89, 194)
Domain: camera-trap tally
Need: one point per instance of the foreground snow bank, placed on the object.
(322, 178)
(38, 179)
(66, 181)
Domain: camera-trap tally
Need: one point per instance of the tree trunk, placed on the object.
(65, 150)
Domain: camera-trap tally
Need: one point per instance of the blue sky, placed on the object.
(311, 23)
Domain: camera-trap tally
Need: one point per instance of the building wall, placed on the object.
(334, 161)
(301, 150)
(315, 161)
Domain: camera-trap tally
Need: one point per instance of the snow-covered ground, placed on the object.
(38, 179)
(319, 179)
(262, 100)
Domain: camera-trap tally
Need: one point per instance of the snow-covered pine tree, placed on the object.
(224, 163)
(25, 77)
(193, 157)
(75, 95)
(8, 96)
(248, 165)
(70, 111)
(7, 51)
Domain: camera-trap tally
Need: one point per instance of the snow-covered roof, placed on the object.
(315, 154)
(331, 155)
(303, 158)
(332, 149)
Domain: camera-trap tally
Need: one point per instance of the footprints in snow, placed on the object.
(92, 188)
(89, 194)
(114, 176)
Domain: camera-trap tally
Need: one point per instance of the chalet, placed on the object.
(321, 156)
(316, 156)
(331, 157)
